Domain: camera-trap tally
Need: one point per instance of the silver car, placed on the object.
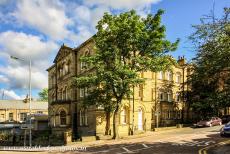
(225, 131)
(209, 122)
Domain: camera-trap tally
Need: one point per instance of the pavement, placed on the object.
(176, 141)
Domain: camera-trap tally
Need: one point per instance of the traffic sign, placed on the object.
(27, 126)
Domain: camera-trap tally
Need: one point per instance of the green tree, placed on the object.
(210, 80)
(43, 95)
(125, 45)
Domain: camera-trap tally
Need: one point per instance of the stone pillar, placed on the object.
(67, 137)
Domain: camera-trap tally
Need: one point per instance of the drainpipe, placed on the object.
(133, 112)
(156, 107)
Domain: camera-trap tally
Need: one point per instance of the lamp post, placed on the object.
(16, 58)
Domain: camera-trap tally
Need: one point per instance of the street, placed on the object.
(175, 141)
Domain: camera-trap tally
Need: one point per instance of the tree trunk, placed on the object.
(115, 123)
(107, 127)
(188, 111)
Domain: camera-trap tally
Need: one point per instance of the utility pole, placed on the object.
(30, 126)
(30, 101)
(3, 94)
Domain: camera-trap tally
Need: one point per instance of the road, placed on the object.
(177, 141)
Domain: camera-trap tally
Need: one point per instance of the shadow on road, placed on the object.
(172, 146)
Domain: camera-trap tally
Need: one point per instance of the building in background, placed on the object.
(16, 112)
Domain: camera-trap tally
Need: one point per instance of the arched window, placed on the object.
(178, 78)
(170, 96)
(161, 96)
(60, 71)
(62, 117)
(161, 75)
(169, 76)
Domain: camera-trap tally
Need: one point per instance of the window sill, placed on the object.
(84, 125)
(62, 125)
(123, 124)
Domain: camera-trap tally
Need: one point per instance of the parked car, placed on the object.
(225, 119)
(225, 131)
(209, 122)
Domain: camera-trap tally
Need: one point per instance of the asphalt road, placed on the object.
(177, 141)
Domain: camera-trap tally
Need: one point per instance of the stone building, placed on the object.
(156, 103)
(17, 111)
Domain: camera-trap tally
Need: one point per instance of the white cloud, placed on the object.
(10, 94)
(90, 12)
(57, 20)
(25, 45)
(121, 4)
(19, 77)
(48, 16)
(86, 19)
(2, 2)
(3, 79)
(83, 13)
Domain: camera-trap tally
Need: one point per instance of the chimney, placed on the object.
(181, 60)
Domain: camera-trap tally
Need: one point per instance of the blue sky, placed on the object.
(35, 29)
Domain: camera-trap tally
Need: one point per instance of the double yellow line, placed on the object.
(204, 150)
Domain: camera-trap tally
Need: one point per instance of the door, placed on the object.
(140, 119)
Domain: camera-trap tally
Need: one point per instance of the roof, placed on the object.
(50, 67)
(62, 47)
(20, 104)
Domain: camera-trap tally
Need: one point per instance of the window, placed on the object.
(2, 117)
(168, 114)
(53, 97)
(11, 118)
(23, 116)
(81, 92)
(62, 117)
(83, 65)
(160, 75)
(161, 96)
(123, 118)
(169, 76)
(86, 91)
(83, 117)
(177, 97)
(179, 112)
(141, 91)
(66, 68)
(60, 72)
(169, 96)
(66, 93)
(61, 95)
(53, 80)
(178, 78)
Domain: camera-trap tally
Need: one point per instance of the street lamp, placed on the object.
(16, 58)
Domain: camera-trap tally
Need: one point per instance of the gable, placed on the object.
(63, 52)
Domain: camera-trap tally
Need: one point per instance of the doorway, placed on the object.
(140, 119)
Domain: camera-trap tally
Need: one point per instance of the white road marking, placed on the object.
(127, 150)
(145, 145)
